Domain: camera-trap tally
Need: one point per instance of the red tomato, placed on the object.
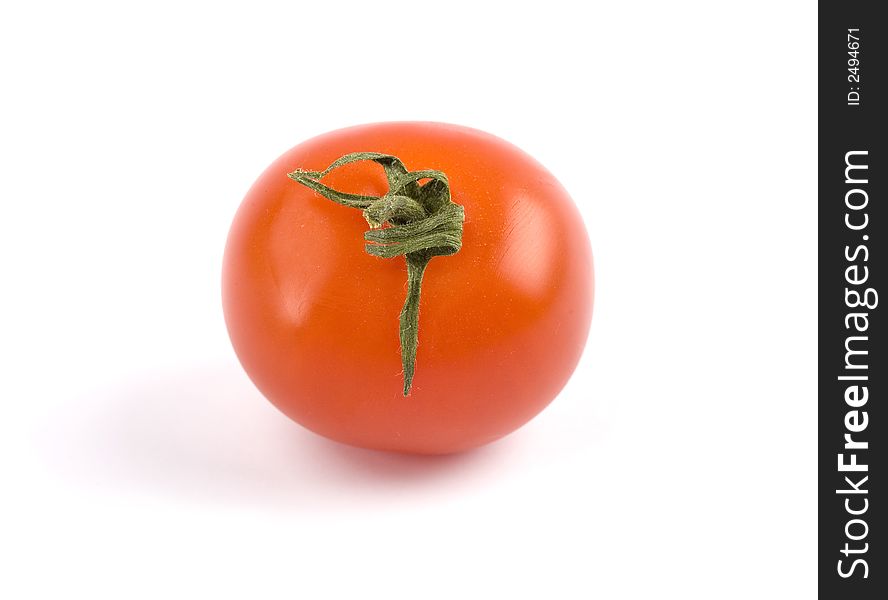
(314, 319)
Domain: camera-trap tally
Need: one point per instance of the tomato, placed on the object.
(313, 317)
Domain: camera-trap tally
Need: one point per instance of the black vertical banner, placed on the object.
(853, 370)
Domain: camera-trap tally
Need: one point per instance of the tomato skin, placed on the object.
(314, 319)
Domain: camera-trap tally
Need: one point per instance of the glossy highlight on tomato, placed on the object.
(502, 323)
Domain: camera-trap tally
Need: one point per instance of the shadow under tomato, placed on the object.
(207, 435)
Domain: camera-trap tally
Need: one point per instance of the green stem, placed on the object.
(416, 220)
(409, 319)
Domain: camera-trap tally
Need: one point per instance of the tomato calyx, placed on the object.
(417, 220)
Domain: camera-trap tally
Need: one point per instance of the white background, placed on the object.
(139, 462)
